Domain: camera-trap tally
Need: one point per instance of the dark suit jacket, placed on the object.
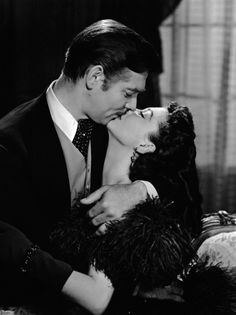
(34, 185)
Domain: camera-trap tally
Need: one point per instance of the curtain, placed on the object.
(199, 49)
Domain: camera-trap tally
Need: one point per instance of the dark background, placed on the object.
(36, 33)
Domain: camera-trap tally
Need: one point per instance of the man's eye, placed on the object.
(128, 95)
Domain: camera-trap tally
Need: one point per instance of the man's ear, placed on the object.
(94, 76)
(147, 147)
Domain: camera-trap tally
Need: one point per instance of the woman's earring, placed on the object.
(145, 148)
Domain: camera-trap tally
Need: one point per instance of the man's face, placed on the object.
(119, 96)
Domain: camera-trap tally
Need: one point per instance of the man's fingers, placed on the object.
(95, 196)
(95, 210)
(173, 289)
(165, 293)
(176, 298)
(99, 219)
(102, 229)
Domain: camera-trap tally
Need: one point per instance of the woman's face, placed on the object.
(135, 127)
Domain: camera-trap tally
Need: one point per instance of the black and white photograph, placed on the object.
(118, 157)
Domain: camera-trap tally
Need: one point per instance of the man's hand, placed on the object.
(170, 292)
(114, 200)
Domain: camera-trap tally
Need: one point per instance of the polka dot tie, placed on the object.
(83, 135)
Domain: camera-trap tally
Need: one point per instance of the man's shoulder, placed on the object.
(21, 112)
(17, 124)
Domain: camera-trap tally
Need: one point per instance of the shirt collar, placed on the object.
(60, 115)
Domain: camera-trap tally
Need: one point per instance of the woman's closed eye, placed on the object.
(147, 113)
(139, 113)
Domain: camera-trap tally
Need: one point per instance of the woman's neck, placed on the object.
(117, 163)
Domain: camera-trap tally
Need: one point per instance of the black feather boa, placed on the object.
(147, 247)
(210, 290)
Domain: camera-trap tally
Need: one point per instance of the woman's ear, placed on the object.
(94, 77)
(143, 148)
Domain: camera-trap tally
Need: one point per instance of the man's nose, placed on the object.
(132, 104)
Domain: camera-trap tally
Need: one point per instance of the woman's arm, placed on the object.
(92, 291)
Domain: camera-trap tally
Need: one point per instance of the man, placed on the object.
(44, 166)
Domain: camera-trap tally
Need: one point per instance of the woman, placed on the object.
(157, 145)
(171, 168)
(150, 246)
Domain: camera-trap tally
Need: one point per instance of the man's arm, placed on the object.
(21, 259)
(114, 200)
(37, 267)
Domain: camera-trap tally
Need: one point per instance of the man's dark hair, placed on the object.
(112, 45)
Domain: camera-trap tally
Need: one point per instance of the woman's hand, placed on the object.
(92, 291)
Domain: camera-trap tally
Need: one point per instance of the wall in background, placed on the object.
(200, 71)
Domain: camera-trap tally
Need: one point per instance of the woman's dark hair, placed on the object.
(172, 169)
(112, 45)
